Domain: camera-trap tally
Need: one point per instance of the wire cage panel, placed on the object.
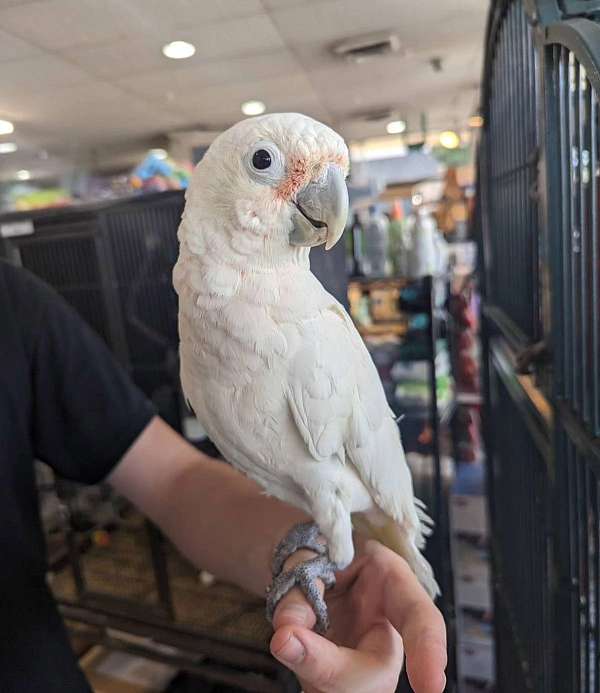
(572, 102)
(512, 136)
(521, 550)
(547, 548)
(68, 261)
(143, 243)
(579, 567)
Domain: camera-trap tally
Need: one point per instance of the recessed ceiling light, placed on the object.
(395, 127)
(23, 174)
(6, 127)
(8, 147)
(449, 139)
(159, 153)
(253, 108)
(476, 121)
(178, 50)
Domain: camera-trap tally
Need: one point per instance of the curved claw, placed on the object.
(304, 576)
(302, 536)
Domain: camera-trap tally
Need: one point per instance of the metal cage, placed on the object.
(538, 176)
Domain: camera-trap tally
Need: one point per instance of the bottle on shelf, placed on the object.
(377, 241)
(356, 242)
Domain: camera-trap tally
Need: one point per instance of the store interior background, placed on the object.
(93, 115)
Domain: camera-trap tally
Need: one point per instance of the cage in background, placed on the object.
(538, 178)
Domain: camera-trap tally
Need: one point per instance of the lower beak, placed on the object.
(321, 210)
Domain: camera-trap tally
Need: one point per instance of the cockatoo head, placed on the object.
(268, 186)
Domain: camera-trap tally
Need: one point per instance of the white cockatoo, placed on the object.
(271, 363)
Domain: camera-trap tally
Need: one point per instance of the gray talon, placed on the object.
(302, 536)
(304, 575)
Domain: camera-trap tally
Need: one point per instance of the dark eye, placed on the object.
(261, 159)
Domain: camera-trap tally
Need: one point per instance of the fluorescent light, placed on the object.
(449, 139)
(178, 50)
(23, 174)
(476, 121)
(8, 147)
(159, 153)
(395, 127)
(253, 108)
(6, 127)
(376, 148)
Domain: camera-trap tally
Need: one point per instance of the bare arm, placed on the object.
(217, 517)
(224, 524)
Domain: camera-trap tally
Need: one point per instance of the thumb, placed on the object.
(325, 667)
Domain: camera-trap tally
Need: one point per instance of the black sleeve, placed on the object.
(86, 411)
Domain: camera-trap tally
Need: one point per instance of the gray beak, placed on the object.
(321, 210)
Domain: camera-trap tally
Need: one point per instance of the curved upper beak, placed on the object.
(321, 210)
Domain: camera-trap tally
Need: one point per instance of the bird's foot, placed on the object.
(304, 575)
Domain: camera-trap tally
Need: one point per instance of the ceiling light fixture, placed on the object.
(253, 108)
(6, 127)
(476, 121)
(396, 127)
(23, 174)
(449, 139)
(178, 50)
(8, 147)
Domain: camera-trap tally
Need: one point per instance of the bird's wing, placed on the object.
(340, 409)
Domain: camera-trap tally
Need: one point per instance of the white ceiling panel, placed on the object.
(291, 91)
(176, 14)
(330, 21)
(12, 3)
(77, 73)
(176, 85)
(55, 24)
(247, 36)
(13, 48)
(44, 73)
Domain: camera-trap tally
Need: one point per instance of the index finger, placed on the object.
(294, 609)
(412, 612)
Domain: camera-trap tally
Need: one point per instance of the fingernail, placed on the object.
(292, 652)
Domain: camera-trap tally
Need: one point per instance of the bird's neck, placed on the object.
(242, 250)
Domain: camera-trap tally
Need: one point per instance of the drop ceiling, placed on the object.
(85, 80)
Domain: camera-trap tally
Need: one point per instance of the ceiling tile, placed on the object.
(289, 93)
(12, 48)
(96, 112)
(176, 14)
(276, 4)
(43, 73)
(55, 24)
(338, 19)
(106, 78)
(12, 3)
(118, 58)
(248, 36)
(171, 85)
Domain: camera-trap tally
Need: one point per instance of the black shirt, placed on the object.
(64, 401)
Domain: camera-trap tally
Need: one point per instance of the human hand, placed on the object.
(378, 611)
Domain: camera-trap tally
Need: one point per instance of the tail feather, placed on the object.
(404, 541)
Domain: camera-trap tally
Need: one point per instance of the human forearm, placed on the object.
(214, 515)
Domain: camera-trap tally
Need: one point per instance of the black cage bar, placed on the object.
(542, 422)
